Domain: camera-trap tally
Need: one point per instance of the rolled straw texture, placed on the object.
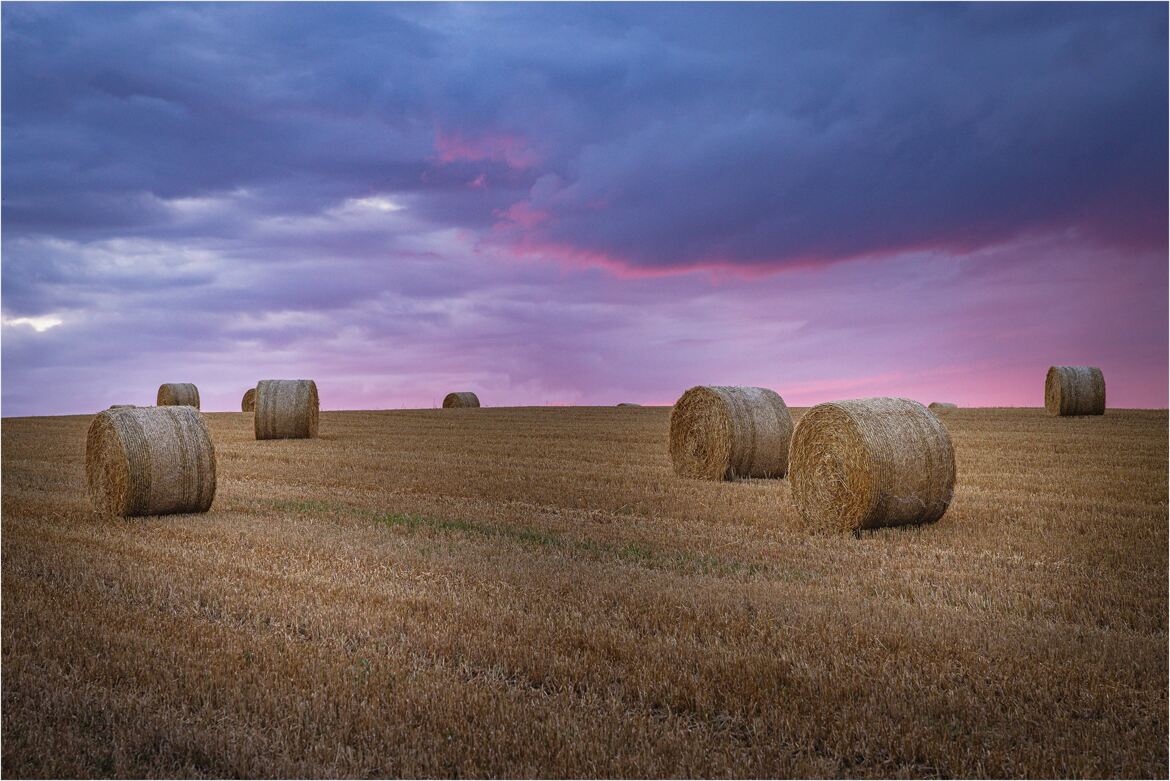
(248, 403)
(868, 463)
(149, 461)
(1074, 390)
(286, 409)
(724, 433)
(460, 399)
(173, 393)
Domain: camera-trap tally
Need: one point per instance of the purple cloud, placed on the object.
(581, 203)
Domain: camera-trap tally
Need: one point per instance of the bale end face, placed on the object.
(1074, 390)
(460, 399)
(149, 461)
(248, 403)
(724, 433)
(868, 463)
(178, 394)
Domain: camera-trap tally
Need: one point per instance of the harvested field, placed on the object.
(532, 592)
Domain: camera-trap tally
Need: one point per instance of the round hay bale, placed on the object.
(1074, 390)
(122, 406)
(178, 393)
(721, 433)
(868, 463)
(461, 399)
(941, 407)
(629, 404)
(149, 461)
(248, 403)
(286, 409)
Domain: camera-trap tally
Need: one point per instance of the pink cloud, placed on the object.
(522, 214)
(530, 231)
(569, 257)
(518, 232)
(505, 148)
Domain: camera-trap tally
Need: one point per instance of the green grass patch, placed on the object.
(684, 562)
(633, 552)
(305, 506)
(521, 534)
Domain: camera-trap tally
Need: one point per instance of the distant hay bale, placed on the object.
(721, 433)
(286, 409)
(149, 461)
(248, 404)
(122, 406)
(941, 407)
(461, 399)
(868, 463)
(629, 404)
(178, 393)
(1074, 390)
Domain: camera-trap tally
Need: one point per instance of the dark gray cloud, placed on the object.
(660, 136)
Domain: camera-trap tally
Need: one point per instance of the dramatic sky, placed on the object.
(582, 204)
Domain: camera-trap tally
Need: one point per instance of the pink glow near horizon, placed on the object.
(813, 335)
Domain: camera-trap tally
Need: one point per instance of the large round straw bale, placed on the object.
(286, 409)
(248, 403)
(1074, 390)
(941, 407)
(150, 461)
(721, 433)
(867, 463)
(175, 393)
(461, 399)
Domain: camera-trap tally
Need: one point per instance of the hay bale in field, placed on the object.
(721, 433)
(248, 403)
(1074, 390)
(941, 407)
(867, 463)
(629, 404)
(150, 461)
(286, 409)
(178, 393)
(122, 406)
(460, 399)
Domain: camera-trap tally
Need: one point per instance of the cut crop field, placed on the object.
(533, 592)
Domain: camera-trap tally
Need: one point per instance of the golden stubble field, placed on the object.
(525, 592)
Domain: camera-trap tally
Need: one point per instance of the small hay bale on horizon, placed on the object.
(286, 409)
(1074, 390)
(248, 403)
(723, 432)
(122, 406)
(868, 463)
(178, 393)
(149, 461)
(460, 399)
(629, 404)
(941, 407)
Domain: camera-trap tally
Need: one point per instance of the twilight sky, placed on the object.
(582, 204)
